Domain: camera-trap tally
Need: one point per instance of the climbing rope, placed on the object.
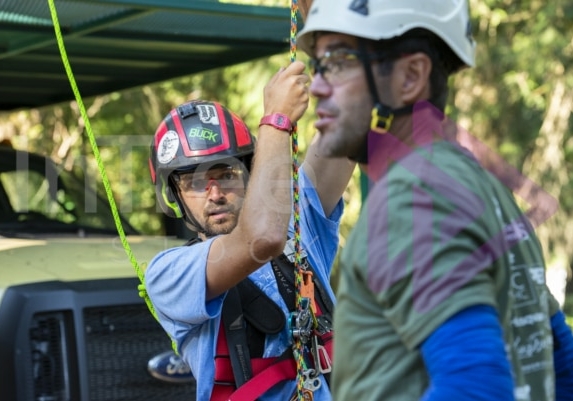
(302, 281)
(95, 149)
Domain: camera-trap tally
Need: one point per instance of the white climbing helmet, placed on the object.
(385, 19)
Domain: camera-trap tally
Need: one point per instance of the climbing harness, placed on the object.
(248, 316)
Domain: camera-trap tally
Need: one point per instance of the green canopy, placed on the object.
(119, 44)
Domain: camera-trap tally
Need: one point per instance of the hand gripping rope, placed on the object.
(95, 149)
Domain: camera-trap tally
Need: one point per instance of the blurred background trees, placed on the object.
(518, 101)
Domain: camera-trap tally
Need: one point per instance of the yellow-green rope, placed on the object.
(93, 143)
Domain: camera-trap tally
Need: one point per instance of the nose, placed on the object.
(319, 87)
(213, 190)
(212, 183)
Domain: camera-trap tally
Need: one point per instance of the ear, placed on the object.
(416, 69)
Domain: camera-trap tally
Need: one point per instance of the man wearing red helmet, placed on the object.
(442, 291)
(204, 171)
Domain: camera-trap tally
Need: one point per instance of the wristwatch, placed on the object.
(277, 120)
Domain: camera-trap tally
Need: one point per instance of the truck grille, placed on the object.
(88, 340)
(120, 340)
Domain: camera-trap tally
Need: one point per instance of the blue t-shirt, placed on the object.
(175, 281)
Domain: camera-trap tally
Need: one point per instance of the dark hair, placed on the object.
(444, 61)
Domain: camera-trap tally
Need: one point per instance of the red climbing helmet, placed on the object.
(196, 133)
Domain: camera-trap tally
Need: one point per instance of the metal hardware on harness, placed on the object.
(301, 322)
(311, 380)
(323, 325)
(318, 351)
(307, 291)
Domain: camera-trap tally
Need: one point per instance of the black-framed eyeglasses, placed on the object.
(335, 66)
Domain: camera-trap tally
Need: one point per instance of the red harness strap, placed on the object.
(267, 372)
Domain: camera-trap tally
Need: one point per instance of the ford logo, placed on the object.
(169, 367)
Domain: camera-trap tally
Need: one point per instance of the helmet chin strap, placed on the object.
(382, 115)
(192, 222)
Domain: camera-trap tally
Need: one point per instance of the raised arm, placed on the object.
(261, 230)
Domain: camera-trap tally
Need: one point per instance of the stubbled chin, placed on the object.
(222, 225)
(328, 148)
(324, 146)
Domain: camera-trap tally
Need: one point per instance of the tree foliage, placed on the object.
(518, 100)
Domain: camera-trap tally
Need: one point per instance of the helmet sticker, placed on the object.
(167, 148)
(208, 114)
(200, 137)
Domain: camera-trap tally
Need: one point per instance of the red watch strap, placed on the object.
(277, 120)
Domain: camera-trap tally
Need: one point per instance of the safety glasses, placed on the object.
(335, 67)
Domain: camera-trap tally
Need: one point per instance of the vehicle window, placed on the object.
(42, 198)
(29, 191)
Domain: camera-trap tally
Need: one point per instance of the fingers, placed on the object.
(287, 92)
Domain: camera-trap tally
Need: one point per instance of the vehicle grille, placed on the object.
(120, 341)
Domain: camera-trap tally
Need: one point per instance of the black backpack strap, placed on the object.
(235, 332)
(247, 303)
(284, 274)
(259, 309)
